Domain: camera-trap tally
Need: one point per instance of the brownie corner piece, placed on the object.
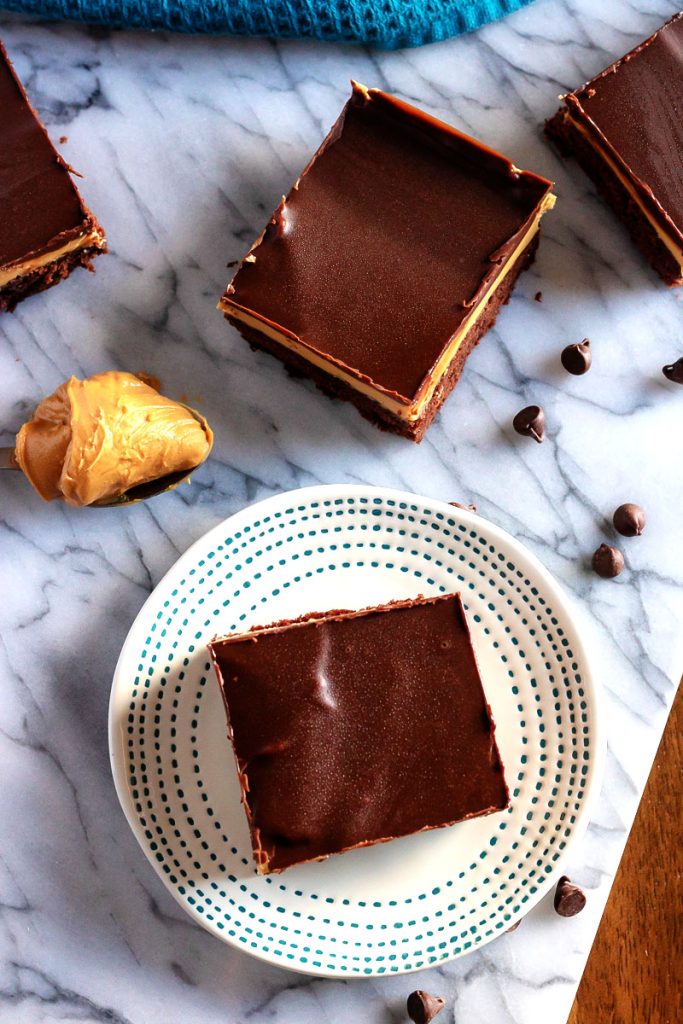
(46, 230)
(357, 281)
(338, 746)
(625, 129)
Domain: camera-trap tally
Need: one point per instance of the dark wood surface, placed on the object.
(635, 971)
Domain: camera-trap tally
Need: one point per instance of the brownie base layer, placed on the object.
(372, 411)
(47, 276)
(571, 142)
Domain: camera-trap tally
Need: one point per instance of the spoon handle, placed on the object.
(8, 459)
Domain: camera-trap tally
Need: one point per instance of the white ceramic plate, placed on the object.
(398, 906)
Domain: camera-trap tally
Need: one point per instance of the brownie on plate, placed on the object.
(352, 728)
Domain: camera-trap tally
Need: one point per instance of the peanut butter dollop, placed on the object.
(94, 439)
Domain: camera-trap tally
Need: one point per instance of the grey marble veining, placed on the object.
(186, 145)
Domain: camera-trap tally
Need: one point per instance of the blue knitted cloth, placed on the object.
(385, 23)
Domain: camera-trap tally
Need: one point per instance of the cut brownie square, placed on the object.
(388, 260)
(353, 728)
(625, 129)
(45, 228)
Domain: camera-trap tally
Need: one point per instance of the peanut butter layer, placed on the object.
(93, 239)
(387, 243)
(94, 439)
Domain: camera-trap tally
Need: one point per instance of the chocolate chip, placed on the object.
(569, 899)
(607, 561)
(577, 358)
(538, 297)
(530, 422)
(422, 1007)
(674, 371)
(513, 927)
(629, 520)
(468, 508)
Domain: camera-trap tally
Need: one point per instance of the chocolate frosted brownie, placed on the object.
(352, 728)
(625, 128)
(45, 228)
(388, 260)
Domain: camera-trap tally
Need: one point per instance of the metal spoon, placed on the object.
(141, 492)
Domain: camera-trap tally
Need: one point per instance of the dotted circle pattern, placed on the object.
(228, 587)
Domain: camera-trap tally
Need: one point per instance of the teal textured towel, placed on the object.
(385, 23)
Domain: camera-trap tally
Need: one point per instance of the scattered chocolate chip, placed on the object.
(63, 139)
(608, 561)
(422, 1007)
(569, 899)
(674, 371)
(530, 422)
(513, 927)
(468, 508)
(629, 520)
(538, 297)
(577, 358)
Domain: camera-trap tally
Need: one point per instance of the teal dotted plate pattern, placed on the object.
(399, 906)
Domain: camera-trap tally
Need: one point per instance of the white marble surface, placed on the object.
(186, 145)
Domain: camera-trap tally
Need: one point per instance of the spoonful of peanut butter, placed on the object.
(110, 439)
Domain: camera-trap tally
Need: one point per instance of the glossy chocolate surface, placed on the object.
(39, 202)
(351, 728)
(635, 107)
(395, 226)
